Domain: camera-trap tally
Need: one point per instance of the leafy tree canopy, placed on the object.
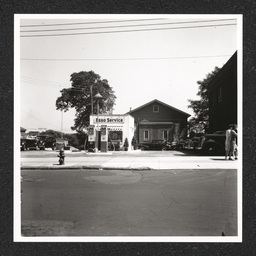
(201, 107)
(52, 133)
(78, 96)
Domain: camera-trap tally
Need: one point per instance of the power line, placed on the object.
(125, 26)
(35, 117)
(125, 59)
(31, 79)
(47, 85)
(82, 23)
(54, 86)
(135, 30)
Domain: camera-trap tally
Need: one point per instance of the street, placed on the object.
(82, 202)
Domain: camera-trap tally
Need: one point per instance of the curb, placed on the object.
(92, 167)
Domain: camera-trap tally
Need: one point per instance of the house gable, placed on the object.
(158, 111)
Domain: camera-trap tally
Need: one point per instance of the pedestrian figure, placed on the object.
(228, 143)
(234, 141)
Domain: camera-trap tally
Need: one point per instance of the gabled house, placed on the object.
(158, 120)
(222, 93)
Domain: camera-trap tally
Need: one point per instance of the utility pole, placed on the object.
(62, 123)
(91, 100)
(98, 97)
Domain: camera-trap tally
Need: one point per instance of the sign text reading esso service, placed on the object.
(109, 120)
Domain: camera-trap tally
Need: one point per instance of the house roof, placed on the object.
(160, 102)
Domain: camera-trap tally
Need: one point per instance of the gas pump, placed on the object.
(104, 138)
(91, 138)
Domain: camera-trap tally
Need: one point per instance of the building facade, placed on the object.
(158, 120)
(222, 93)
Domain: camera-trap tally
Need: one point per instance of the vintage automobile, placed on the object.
(45, 141)
(180, 144)
(214, 143)
(28, 144)
(155, 145)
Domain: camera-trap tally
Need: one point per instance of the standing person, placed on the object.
(228, 142)
(234, 138)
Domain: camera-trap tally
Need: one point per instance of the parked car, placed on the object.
(178, 144)
(28, 144)
(214, 143)
(155, 145)
(45, 141)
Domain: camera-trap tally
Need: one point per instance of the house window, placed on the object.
(165, 134)
(155, 108)
(146, 135)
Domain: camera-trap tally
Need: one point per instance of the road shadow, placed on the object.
(188, 153)
(198, 152)
(222, 159)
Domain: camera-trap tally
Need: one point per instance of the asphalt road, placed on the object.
(129, 203)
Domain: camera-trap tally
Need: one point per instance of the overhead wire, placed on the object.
(125, 31)
(124, 59)
(36, 80)
(46, 81)
(57, 86)
(45, 85)
(34, 116)
(125, 26)
(83, 23)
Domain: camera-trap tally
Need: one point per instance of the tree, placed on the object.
(134, 142)
(52, 133)
(76, 140)
(126, 144)
(84, 85)
(201, 107)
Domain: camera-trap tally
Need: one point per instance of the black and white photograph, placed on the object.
(128, 128)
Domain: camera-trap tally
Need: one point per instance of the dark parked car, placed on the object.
(28, 144)
(45, 141)
(179, 144)
(155, 145)
(213, 144)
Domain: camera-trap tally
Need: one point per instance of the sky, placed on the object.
(143, 57)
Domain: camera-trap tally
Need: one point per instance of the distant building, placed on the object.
(222, 94)
(22, 131)
(33, 132)
(158, 120)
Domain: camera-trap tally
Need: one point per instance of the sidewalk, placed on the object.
(128, 162)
